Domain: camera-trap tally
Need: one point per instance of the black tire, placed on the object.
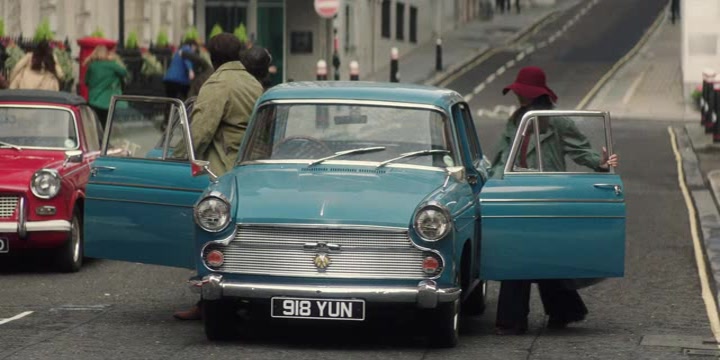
(69, 257)
(474, 304)
(219, 319)
(445, 326)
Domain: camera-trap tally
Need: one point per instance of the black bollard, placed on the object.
(715, 110)
(707, 92)
(438, 55)
(394, 65)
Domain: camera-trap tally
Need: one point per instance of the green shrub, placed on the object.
(2, 28)
(132, 41)
(162, 39)
(98, 33)
(241, 33)
(43, 32)
(15, 53)
(66, 63)
(695, 96)
(191, 34)
(151, 66)
(216, 30)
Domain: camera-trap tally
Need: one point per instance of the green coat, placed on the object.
(221, 114)
(559, 138)
(104, 79)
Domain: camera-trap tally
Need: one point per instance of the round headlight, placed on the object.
(432, 222)
(212, 214)
(45, 184)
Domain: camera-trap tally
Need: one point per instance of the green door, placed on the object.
(270, 33)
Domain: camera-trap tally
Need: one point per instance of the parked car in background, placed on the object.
(47, 141)
(348, 196)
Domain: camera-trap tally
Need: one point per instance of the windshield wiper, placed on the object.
(348, 152)
(2, 143)
(414, 154)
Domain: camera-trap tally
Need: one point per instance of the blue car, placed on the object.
(347, 197)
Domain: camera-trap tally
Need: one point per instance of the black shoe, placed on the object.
(515, 330)
(562, 323)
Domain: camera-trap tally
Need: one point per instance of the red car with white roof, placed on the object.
(47, 141)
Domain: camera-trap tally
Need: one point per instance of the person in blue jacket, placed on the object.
(180, 72)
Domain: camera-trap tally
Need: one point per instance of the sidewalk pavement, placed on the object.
(470, 41)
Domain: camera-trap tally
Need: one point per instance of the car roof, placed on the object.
(41, 96)
(363, 90)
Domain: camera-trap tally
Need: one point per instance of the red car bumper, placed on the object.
(23, 234)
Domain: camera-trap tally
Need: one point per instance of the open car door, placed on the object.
(550, 216)
(139, 204)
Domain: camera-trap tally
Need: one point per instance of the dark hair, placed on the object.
(42, 58)
(224, 48)
(257, 62)
(542, 102)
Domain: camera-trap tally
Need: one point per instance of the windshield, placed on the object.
(310, 132)
(37, 128)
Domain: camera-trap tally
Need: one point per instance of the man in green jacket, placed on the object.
(223, 106)
(220, 115)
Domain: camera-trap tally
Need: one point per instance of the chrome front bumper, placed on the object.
(22, 226)
(426, 294)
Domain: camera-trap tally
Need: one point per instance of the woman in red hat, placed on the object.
(560, 138)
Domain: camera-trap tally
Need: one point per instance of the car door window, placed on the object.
(567, 144)
(91, 128)
(473, 141)
(146, 129)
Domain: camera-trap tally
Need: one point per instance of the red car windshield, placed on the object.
(29, 127)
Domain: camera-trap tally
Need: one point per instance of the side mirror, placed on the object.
(202, 167)
(73, 156)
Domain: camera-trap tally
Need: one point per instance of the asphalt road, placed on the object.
(123, 311)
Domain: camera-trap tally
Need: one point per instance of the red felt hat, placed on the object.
(530, 83)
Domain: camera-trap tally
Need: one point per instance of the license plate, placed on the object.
(322, 309)
(4, 245)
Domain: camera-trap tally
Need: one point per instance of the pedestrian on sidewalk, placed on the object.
(501, 5)
(180, 72)
(104, 79)
(562, 304)
(674, 10)
(38, 70)
(220, 115)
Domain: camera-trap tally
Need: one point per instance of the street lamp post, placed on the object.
(121, 24)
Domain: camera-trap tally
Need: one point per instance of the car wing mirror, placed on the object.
(73, 156)
(202, 167)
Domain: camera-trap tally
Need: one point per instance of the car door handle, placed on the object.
(94, 170)
(616, 187)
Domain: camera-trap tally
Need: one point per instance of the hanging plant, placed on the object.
(241, 33)
(162, 40)
(151, 66)
(43, 32)
(191, 34)
(15, 53)
(216, 30)
(2, 28)
(66, 63)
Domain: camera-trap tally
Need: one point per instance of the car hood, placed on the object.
(319, 195)
(18, 167)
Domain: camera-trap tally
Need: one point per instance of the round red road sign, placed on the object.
(327, 8)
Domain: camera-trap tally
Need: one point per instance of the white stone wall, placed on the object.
(700, 39)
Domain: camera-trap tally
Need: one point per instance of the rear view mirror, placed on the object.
(350, 119)
(202, 167)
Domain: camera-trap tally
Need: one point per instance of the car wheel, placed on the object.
(219, 319)
(69, 256)
(474, 304)
(445, 325)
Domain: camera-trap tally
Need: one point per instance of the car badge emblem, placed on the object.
(322, 261)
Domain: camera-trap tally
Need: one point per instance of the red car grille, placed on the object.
(8, 204)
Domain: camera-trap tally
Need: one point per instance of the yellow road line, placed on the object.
(708, 298)
(591, 94)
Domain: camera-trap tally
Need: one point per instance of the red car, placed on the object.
(47, 141)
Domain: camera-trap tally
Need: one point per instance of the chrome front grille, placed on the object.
(369, 253)
(8, 204)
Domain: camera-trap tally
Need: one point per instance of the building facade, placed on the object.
(363, 30)
(700, 40)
